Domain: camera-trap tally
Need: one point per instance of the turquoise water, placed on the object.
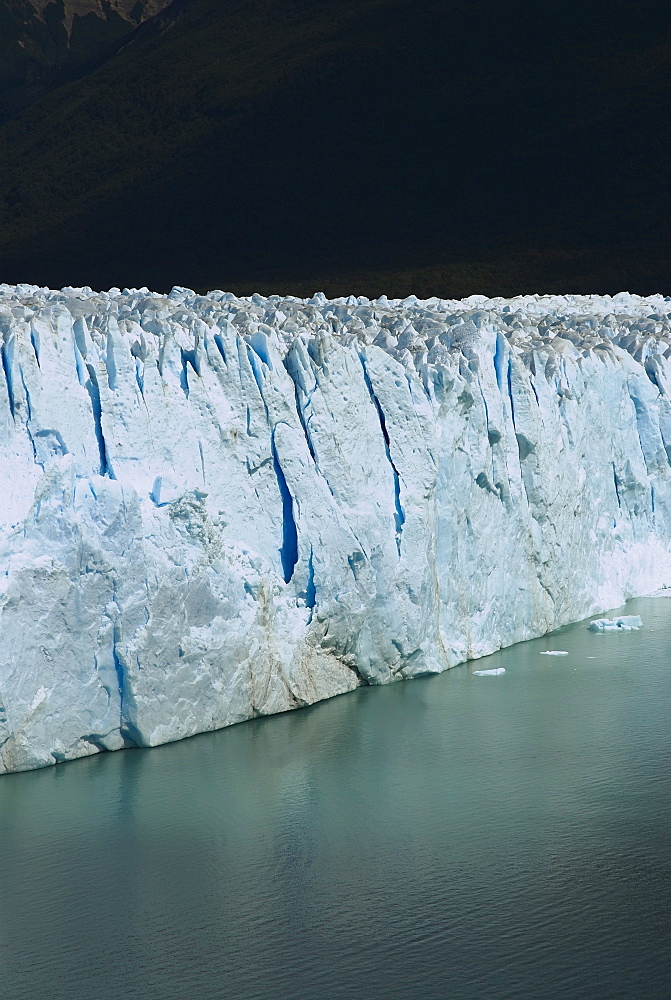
(450, 837)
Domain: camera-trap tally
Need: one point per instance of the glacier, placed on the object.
(216, 508)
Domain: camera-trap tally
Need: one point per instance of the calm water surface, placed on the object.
(451, 837)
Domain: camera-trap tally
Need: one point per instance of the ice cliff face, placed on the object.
(216, 508)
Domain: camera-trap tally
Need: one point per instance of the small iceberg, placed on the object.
(626, 623)
(489, 673)
(554, 652)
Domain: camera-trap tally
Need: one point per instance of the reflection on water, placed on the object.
(456, 836)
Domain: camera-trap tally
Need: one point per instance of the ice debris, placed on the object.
(625, 623)
(489, 673)
(554, 652)
(215, 508)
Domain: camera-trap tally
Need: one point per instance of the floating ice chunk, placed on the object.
(489, 673)
(625, 623)
(554, 652)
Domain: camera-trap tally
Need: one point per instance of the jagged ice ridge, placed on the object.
(215, 508)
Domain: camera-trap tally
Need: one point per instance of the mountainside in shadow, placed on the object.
(44, 42)
(453, 145)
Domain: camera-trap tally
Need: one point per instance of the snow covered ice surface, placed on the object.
(217, 508)
(625, 623)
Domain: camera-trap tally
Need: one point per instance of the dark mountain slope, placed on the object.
(45, 42)
(497, 145)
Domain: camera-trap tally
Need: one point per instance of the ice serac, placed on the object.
(216, 508)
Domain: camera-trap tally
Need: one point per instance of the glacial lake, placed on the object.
(450, 838)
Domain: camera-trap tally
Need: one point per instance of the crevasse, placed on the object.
(215, 508)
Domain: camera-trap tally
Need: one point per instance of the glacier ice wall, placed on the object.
(215, 508)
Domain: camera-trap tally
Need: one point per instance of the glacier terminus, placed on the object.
(215, 508)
